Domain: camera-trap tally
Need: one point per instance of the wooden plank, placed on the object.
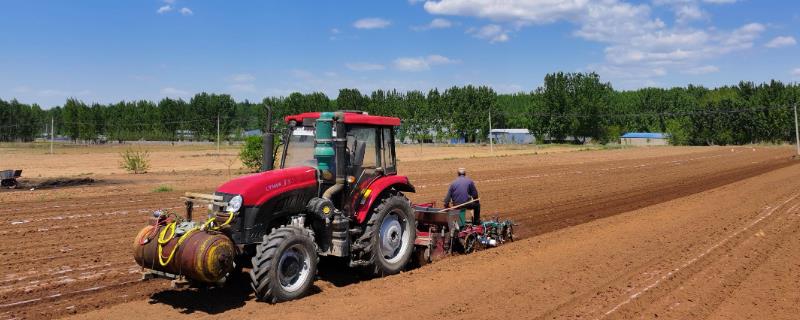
(203, 196)
(216, 203)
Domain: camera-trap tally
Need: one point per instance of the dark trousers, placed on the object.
(476, 211)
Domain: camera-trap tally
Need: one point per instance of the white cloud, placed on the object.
(411, 64)
(21, 89)
(669, 2)
(334, 34)
(440, 23)
(535, 11)
(741, 38)
(169, 1)
(689, 12)
(173, 92)
(685, 10)
(701, 70)
(638, 44)
(241, 82)
(164, 9)
(242, 87)
(62, 93)
(492, 32)
(437, 23)
(364, 66)
(779, 42)
(372, 23)
(241, 77)
(796, 72)
(50, 93)
(186, 11)
(439, 59)
(421, 63)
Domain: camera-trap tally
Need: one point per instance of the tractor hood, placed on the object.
(257, 188)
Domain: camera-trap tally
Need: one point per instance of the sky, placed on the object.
(107, 51)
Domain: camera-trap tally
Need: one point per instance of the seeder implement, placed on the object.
(440, 232)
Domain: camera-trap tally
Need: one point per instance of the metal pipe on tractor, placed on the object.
(268, 161)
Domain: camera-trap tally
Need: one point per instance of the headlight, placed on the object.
(235, 204)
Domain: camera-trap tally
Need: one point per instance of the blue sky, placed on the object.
(106, 51)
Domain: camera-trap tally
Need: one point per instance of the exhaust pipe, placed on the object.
(268, 161)
(340, 144)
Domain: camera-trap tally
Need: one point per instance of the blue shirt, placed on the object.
(461, 190)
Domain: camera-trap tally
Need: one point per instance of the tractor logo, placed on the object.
(279, 184)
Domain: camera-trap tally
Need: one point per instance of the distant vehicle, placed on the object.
(8, 178)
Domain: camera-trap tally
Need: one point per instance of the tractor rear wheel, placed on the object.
(284, 265)
(388, 240)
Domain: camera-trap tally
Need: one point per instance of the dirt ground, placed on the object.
(681, 233)
(89, 160)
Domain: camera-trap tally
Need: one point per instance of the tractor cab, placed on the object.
(368, 150)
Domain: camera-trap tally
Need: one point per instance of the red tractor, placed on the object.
(336, 193)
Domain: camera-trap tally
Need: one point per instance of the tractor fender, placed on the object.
(376, 188)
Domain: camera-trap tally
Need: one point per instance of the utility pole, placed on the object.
(491, 141)
(52, 125)
(796, 137)
(218, 134)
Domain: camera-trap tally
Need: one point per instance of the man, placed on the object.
(463, 190)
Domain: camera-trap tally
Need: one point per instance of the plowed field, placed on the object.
(636, 233)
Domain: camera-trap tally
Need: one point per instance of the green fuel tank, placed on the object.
(323, 149)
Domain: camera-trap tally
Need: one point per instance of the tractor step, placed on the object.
(359, 263)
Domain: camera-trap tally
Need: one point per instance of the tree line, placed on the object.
(569, 107)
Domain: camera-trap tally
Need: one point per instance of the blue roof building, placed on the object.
(645, 135)
(645, 139)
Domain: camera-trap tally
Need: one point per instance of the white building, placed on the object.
(512, 136)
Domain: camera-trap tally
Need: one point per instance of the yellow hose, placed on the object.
(162, 239)
(175, 248)
(228, 221)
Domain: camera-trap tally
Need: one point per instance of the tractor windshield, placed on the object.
(300, 148)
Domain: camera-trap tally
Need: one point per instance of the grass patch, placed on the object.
(135, 161)
(163, 189)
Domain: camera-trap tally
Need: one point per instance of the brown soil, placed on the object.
(637, 233)
(76, 160)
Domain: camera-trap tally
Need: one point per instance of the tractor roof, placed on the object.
(350, 117)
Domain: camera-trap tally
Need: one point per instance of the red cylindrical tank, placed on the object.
(203, 256)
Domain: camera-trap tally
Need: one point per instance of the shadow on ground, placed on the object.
(237, 292)
(206, 299)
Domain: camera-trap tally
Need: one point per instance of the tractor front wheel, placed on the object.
(284, 265)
